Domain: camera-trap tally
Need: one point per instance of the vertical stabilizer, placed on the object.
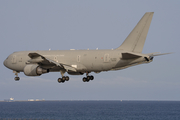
(136, 39)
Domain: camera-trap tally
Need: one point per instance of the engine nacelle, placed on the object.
(75, 73)
(34, 70)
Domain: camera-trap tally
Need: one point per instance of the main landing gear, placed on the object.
(88, 78)
(64, 78)
(16, 78)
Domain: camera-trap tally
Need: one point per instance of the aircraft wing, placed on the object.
(40, 59)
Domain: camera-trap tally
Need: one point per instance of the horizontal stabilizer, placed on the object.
(158, 54)
(132, 55)
(129, 56)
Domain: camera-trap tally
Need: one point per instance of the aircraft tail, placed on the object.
(136, 39)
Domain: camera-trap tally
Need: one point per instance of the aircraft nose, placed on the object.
(4, 63)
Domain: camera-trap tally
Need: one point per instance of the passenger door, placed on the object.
(106, 58)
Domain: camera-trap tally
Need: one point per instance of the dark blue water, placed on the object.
(91, 110)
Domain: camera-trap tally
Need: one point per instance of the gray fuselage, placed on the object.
(82, 60)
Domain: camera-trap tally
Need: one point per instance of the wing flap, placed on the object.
(69, 68)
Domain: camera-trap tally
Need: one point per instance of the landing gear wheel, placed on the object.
(91, 77)
(59, 80)
(88, 78)
(67, 78)
(84, 79)
(63, 78)
(16, 78)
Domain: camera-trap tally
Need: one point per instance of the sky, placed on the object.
(82, 24)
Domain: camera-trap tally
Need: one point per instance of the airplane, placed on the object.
(79, 62)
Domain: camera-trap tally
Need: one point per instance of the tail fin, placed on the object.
(136, 39)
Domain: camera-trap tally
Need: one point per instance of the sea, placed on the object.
(90, 110)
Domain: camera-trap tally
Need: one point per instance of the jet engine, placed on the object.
(34, 70)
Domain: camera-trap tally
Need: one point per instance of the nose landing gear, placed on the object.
(16, 78)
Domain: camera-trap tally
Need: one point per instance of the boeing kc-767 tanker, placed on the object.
(78, 62)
